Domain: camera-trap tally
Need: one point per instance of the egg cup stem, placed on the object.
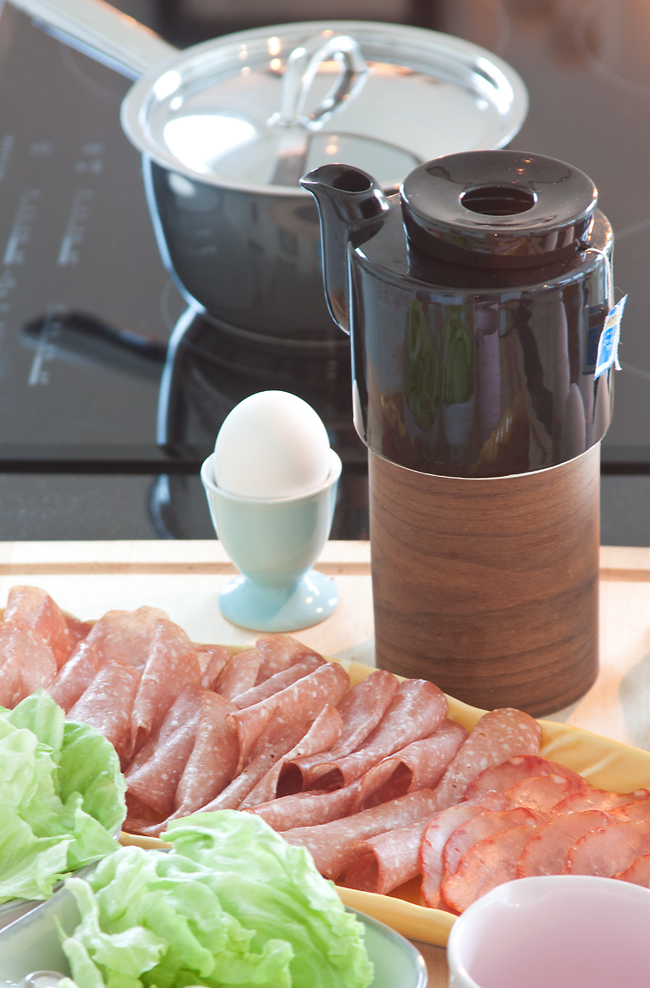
(260, 608)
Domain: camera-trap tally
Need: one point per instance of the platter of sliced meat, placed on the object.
(413, 803)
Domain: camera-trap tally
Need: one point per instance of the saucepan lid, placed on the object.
(257, 109)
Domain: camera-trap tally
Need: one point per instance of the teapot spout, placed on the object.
(352, 208)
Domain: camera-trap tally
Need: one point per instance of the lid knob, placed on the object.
(498, 208)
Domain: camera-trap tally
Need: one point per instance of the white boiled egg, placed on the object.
(271, 445)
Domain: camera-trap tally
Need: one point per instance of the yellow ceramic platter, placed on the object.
(606, 764)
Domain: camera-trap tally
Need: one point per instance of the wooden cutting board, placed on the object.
(185, 577)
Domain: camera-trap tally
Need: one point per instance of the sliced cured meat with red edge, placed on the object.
(487, 864)
(599, 799)
(639, 810)
(172, 663)
(27, 663)
(125, 636)
(498, 736)
(321, 735)
(416, 711)
(279, 652)
(438, 833)
(297, 705)
(501, 777)
(75, 676)
(638, 873)
(544, 792)
(278, 682)
(239, 674)
(34, 608)
(481, 826)
(212, 659)
(332, 844)
(546, 854)
(418, 766)
(154, 780)
(306, 809)
(608, 850)
(107, 703)
(361, 709)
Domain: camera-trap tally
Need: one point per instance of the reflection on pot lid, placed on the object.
(257, 109)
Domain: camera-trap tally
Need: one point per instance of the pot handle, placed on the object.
(103, 32)
(303, 64)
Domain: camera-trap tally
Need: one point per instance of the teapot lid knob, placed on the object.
(498, 208)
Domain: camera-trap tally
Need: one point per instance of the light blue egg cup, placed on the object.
(274, 543)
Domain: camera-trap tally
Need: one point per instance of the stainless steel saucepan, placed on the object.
(227, 127)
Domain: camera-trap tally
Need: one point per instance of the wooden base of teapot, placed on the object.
(489, 587)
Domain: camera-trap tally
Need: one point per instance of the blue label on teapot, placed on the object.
(609, 340)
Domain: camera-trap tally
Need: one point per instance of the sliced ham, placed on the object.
(278, 653)
(322, 734)
(498, 736)
(278, 682)
(35, 609)
(546, 854)
(212, 659)
(107, 703)
(544, 792)
(125, 636)
(481, 826)
(75, 676)
(608, 850)
(307, 809)
(298, 704)
(332, 844)
(361, 709)
(239, 674)
(27, 663)
(487, 864)
(416, 711)
(420, 765)
(438, 832)
(153, 779)
(638, 873)
(599, 799)
(504, 776)
(172, 663)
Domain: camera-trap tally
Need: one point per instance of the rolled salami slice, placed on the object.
(214, 756)
(306, 809)
(608, 850)
(489, 863)
(239, 674)
(638, 873)
(438, 833)
(361, 708)
(501, 777)
(544, 792)
(278, 682)
(418, 766)
(279, 652)
(125, 636)
(34, 608)
(332, 844)
(172, 663)
(154, 780)
(27, 663)
(298, 704)
(384, 862)
(75, 676)
(321, 735)
(416, 711)
(481, 826)
(498, 736)
(546, 853)
(107, 703)
(212, 659)
(599, 799)
(78, 630)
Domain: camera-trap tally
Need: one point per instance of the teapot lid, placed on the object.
(498, 208)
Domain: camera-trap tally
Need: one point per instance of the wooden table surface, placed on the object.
(185, 577)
